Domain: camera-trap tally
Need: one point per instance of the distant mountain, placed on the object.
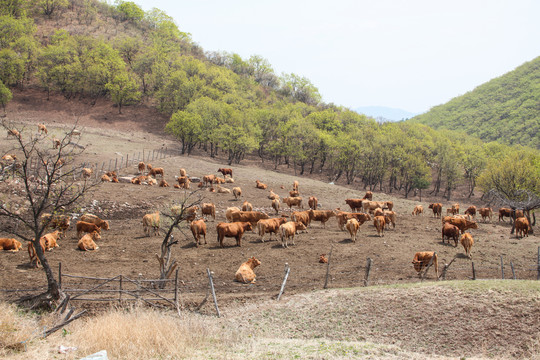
(506, 109)
(385, 113)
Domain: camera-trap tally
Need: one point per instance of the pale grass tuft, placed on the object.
(16, 329)
(147, 334)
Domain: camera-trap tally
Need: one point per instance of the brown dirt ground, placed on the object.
(125, 250)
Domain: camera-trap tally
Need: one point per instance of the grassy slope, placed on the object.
(483, 319)
(504, 109)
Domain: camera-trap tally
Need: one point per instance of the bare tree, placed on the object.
(43, 179)
(522, 200)
(175, 217)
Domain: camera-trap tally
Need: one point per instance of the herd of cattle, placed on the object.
(285, 226)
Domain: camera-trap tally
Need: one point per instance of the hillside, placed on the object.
(505, 109)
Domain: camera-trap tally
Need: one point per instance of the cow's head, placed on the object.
(418, 265)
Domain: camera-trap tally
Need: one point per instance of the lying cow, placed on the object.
(87, 242)
(245, 273)
(10, 244)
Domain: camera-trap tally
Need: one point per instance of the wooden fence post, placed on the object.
(60, 275)
(120, 292)
(287, 271)
(109, 168)
(213, 291)
(176, 292)
(116, 164)
(368, 269)
(502, 268)
(513, 271)
(127, 160)
(328, 267)
(538, 265)
(473, 271)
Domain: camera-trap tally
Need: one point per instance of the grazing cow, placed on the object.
(270, 226)
(183, 182)
(260, 185)
(230, 211)
(352, 226)
(422, 259)
(354, 204)
(304, 217)
(323, 259)
(87, 242)
(235, 230)
(149, 167)
(379, 223)
(390, 218)
(163, 183)
(368, 196)
(388, 205)
(156, 171)
(208, 209)
(273, 195)
(208, 179)
(10, 244)
(141, 167)
(313, 202)
(486, 213)
(467, 241)
(246, 206)
(455, 208)
(323, 216)
(294, 193)
(463, 224)
(294, 201)
(56, 143)
(222, 190)
(151, 222)
(93, 219)
(86, 227)
(183, 172)
(42, 129)
(248, 216)
(370, 206)
(245, 273)
(225, 171)
(471, 210)
(343, 216)
(437, 209)
(237, 192)
(418, 209)
(198, 228)
(295, 185)
(522, 227)
(275, 205)
(288, 230)
(505, 212)
(450, 231)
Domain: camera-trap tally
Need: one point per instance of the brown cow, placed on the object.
(225, 171)
(208, 179)
(294, 193)
(368, 196)
(418, 209)
(87, 242)
(295, 185)
(208, 209)
(270, 226)
(471, 210)
(275, 205)
(370, 206)
(245, 273)
(467, 241)
(10, 244)
(237, 192)
(522, 227)
(354, 204)
(304, 217)
(486, 213)
(505, 212)
(230, 211)
(437, 209)
(246, 206)
(352, 226)
(455, 209)
(248, 216)
(323, 216)
(313, 202)
(151, 221)
(463, 224)
(450, 231)
(293, 201)
(198, 228)
(260, 185)
(323, 259)
(235, 230)
(343, 216)
(156, 171)
(32, 251)
(86, 227)
(379, 222)
(273, 195)
(93, 219)
(390, 218)
(422, 259)
(42, 129)
(141, 167)
(288, 230)
(388, 205)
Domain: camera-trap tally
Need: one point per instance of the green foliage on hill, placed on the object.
(225, 104)
(505, 109)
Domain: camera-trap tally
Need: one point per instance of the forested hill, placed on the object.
(506, 109)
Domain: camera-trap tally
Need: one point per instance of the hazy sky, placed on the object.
(408, 54)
